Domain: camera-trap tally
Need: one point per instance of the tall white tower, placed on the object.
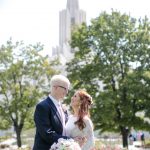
(68, 18)
(72, 15)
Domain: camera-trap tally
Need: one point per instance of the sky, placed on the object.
(35, 21)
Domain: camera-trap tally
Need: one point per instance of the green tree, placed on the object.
(112, 62)
(23, 74)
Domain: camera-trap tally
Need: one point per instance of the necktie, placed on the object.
(62, 115)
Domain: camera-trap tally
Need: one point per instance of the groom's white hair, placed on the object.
(58, 79)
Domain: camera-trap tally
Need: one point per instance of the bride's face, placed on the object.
(75, 100)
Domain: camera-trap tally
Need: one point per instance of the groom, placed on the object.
(49, 117)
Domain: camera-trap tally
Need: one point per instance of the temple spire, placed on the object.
(69, 18)
(72, 5)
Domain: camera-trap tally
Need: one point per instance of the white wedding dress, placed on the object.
(73, 131)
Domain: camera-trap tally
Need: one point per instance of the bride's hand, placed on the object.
(80, 140)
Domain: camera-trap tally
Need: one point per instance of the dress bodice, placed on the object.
(73, 131)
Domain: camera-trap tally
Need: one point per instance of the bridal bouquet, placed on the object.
(64, 144)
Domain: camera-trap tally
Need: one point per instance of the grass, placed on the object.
(3, 138)
(100, 144)
(107, 145)
(28, 137)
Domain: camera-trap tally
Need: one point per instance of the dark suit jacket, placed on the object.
(48, 125)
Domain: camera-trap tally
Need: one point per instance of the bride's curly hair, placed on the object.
(86, 101)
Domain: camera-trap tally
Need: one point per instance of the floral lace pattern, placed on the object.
(73, 131)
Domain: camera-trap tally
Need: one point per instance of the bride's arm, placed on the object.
(89, 144)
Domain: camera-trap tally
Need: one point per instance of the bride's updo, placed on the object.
(85, 103)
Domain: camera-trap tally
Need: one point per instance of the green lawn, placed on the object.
(28, 139)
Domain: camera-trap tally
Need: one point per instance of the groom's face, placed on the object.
(62, 89)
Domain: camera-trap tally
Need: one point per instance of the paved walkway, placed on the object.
(137, 145)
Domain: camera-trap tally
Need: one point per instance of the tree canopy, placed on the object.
(24, 78)
(112, 63)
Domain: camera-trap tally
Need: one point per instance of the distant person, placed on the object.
(134, 136)
(142, 139)
(130, 139)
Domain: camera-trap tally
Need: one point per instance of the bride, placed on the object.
(79, 124)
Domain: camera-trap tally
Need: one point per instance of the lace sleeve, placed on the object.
(89, 135)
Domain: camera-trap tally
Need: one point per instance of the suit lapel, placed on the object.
(52, 105)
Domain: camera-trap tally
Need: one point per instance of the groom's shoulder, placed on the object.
(43, 102)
